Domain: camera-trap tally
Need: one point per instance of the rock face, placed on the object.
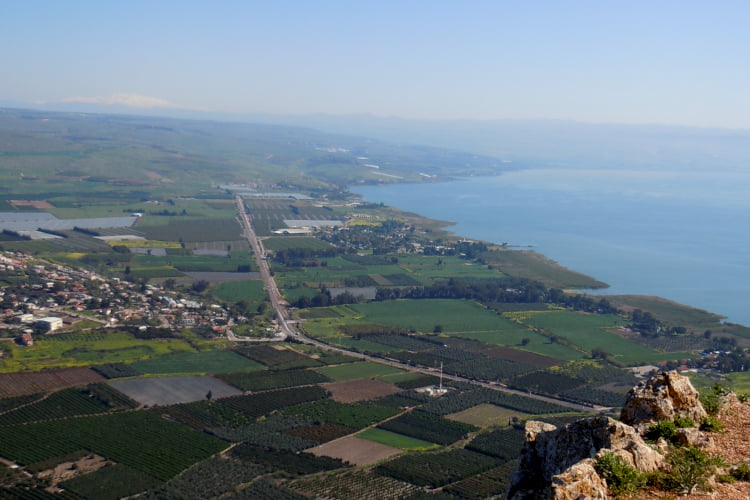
(579, 482)
(558, 464)
(553, 461)
(661, 397)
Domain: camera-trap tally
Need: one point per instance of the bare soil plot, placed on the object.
(70, 469)
(173, 390)
(351, 391)
(39, 205)
(355, 450)
(485, 415)
(19, 384)
(522, 356)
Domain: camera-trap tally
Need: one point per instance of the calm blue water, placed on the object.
(679, 235)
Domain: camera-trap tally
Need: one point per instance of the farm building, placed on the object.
(27, 340)
(48, 324)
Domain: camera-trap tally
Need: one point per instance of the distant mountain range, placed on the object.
(532, 143)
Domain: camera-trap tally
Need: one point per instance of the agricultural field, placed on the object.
(234, 291)
(172, 390)
(233, 262)
(269, 214)
(88, 348)
(359, 484)
(486, 415)
(436, 469)
(217, 361)
(395, 440)
(589, 331)
(352, 371)
(428, 427)
(355, 416)
(355, 450)
(423, 315)
(739, 382)
(19, 384)
(531, 265)
(352, 391)
(111, 483)
(289, 242)
(141, 440)
(261, 381)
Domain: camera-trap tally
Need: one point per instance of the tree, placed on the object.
(438, 329)
(525, 341)
(209, 395)
(200, 286)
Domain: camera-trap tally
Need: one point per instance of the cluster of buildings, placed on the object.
(46, 298)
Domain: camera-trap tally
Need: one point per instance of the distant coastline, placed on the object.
(619, 227)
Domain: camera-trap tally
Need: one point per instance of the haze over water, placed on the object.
(679, 235)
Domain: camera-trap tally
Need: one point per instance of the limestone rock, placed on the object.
(661, 397)
(579, 482)
(549, 452)
(693, 437)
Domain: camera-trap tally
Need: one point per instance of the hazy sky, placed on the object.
(678, 62)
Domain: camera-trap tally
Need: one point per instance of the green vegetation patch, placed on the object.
(352, 371)
(589, 332)
(290, 242)
(141, 440)
(288, 461)
(503, 444)
(436, 469)
(396, 440)
(428, 427)
(349, 415)
(273, 380)
(235, 291)
(262, 403)
(85, 348)
(218, 361)
(425, 314)
(276, 357)
(111, 483)
(534, 266)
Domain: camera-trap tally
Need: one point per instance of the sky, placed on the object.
(631, 61)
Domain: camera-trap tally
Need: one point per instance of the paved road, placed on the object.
(287, 329)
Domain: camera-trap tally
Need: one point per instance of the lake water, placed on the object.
(679, 235)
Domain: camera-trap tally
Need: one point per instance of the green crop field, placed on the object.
(234, 291)
(588, 331)
(192, 263)
(739, 382)
(141, 440)
(396, 440)
(352, 371)
(101, 348)
(424, 314)
(534, 266)
(538, 343)
(218, 361)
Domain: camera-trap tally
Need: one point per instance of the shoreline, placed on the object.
(606, 290)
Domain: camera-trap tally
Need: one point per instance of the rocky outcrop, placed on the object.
(579, 482)
(559, 463)
(661, 397)
(546, 467)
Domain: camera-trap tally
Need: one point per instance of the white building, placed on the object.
(48, 324)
